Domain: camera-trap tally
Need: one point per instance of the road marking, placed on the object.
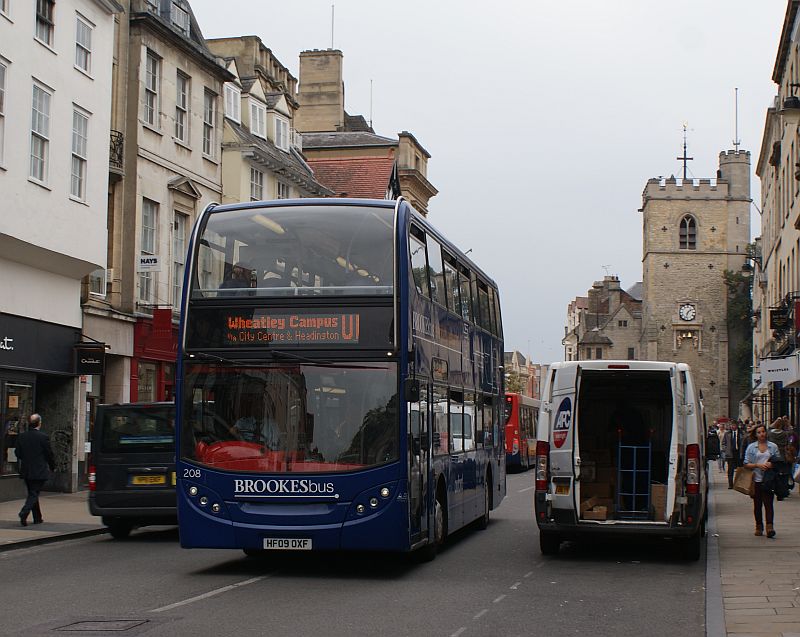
(526, 489)
(459, 631)
(529, 573)
(513, 587)
(481, 614)
(217, 591)
(499, 599)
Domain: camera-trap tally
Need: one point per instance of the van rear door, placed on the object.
(563, 442)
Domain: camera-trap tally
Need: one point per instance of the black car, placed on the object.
(132, 470)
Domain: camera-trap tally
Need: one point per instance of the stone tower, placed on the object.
(692, 232)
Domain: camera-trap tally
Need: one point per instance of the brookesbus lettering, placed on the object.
(289, 486)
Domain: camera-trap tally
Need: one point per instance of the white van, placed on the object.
(620, 450)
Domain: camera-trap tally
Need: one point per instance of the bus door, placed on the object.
(419, 453)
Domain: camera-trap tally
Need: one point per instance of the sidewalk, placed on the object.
(760, 577)
(66, 516)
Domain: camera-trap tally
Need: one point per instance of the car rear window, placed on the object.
(136, 430)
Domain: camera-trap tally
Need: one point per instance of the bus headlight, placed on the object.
(203, 501)
(192, 490)
(360, 508)
(385, 492)
(373, 502)
(215, 507)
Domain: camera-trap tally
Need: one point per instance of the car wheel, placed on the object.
(120, 530)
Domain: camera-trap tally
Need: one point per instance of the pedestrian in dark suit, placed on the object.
(732, 448)
(36, 462)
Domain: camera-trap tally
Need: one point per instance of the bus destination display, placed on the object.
(313, 327)
(292, 328)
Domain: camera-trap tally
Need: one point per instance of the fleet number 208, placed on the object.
(191, 473)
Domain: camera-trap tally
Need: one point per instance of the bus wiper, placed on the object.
(212, 357)
(279, 353)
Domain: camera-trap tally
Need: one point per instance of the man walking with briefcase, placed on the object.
(731, 449)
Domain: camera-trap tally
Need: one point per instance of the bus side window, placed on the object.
(469, 422)
(440, 422)
(466, 296)
(451, 280)
(457, 421)
(436, 270)
(488, 421)
(419, 263)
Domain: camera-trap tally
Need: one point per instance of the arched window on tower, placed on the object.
(688, 233)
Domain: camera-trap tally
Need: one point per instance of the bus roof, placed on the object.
(373, 203)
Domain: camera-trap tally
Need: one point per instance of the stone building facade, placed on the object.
(345, 147)
(55, 74)
(776, 289)
(693, 231)
(605, 324)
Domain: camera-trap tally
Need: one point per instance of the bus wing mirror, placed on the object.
(412, 390)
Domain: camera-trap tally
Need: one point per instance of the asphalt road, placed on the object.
(492, 582)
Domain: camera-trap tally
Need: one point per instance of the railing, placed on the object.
(116, 148)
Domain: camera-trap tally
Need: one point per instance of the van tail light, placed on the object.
(92, 478)
(693, 469)
(542, 460)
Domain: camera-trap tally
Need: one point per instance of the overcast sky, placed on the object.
(544, 120)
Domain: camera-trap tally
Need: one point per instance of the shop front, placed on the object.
(155, 348)
(37, 375)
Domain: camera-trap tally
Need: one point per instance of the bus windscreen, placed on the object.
(294, 251)
(301, 418)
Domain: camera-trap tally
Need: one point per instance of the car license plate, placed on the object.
(173, 478)
(139, 480)
(287, 544)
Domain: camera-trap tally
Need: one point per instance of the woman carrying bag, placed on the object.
(758, 458)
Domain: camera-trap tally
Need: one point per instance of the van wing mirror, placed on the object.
(412, 390)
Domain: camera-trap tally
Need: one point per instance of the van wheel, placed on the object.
(549, 543)
(690, 547)
(120, 530)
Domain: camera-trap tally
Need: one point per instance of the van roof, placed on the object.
(622, 364)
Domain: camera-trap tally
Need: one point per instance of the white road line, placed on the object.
(217, 591)
(526, 489)
(459, 631)
(528, 574)
(499, 599)
(513, 587)
(481, 614)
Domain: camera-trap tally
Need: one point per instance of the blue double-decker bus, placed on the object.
(339, 384)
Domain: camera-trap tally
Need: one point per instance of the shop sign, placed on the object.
(37, 346)
(149, 263)
(778, 319)
(783, 370)
(90, 359)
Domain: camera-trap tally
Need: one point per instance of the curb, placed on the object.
(715, 608)
(51, 539)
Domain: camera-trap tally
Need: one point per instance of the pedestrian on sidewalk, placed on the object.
(731, 449)
(758, 457)
(721, 458)
(36, 462)
(713, 450)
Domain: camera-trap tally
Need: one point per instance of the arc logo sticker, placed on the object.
(563, 420)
